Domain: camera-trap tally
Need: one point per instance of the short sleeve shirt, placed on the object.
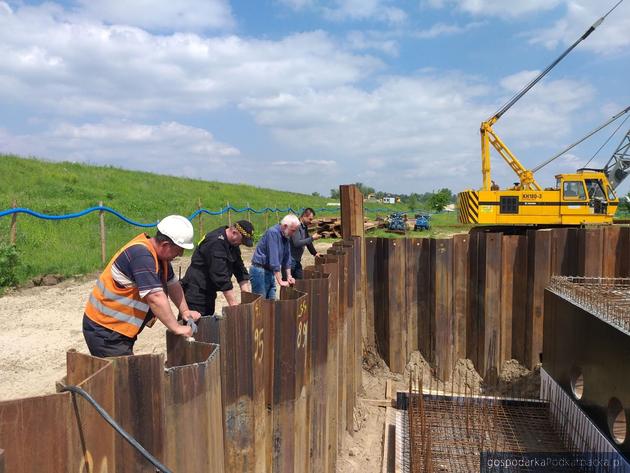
(135, 267)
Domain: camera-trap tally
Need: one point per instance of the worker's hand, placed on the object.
(187, 314)
(184, 331)
(290, 280)
(316, 236)
(245, 286)
(284, 283)
(317, 255)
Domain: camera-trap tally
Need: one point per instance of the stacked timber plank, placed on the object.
(331, 227)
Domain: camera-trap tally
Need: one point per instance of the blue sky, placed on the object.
(305, 95)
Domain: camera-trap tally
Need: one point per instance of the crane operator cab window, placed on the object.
(596, 195)
(574, 190)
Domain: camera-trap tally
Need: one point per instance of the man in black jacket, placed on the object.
(216, 258)
(301, 239)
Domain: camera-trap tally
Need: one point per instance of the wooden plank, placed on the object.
(193, 408)
(460, 294)
(539, 266)
(2, 469)
(442, 262)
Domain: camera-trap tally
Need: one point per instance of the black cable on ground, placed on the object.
(109, 419)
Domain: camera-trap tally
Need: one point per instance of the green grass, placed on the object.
(72, 247)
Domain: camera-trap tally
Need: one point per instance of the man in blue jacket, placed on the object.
(271, 256)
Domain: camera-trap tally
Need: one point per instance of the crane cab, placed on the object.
(580, 198)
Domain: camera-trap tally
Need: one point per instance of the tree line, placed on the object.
(435, 200)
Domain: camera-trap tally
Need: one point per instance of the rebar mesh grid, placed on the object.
(606, 298)
(448, 434)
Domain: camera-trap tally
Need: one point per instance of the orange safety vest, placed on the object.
(121, 309)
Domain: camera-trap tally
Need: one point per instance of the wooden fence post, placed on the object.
(13, 232)
(101, 218)
(266, 219)
(229, 215)
(277, 214)
(200, 217)
(249, 216)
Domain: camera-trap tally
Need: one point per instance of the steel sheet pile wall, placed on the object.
(479, 296)
(61, 432)
(268, 387)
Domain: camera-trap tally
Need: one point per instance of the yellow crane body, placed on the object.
(581, 198)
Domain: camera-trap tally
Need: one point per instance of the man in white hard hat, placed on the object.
(134, 288)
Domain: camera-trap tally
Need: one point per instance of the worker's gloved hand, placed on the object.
(191, 323)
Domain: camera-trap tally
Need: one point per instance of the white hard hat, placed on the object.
(179, 229)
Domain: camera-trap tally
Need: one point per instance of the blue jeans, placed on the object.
(296, 269)
(263, 282)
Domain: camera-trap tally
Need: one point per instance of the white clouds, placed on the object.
(372, 40)
(612, 36)
(125, 71)
(182, 15)
(423, 128)
(442, 29)
(352, 10)
(167, 148)
(498, 8)
(379, 10)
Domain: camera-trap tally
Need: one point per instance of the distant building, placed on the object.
(449, 208)
(389, 200)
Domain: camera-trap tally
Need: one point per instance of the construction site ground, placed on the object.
(40, 324)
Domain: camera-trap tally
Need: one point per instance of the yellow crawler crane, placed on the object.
(583, 197)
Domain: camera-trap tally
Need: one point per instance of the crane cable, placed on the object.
(606, 142)
(517, 96)
(608, 122)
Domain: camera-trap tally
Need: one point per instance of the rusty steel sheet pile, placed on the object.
(316, 285)
(480, 295)
(140, 394)
(240, 334)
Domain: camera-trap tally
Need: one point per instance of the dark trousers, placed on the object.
(202, 302)
(103, 342)
(296, 270)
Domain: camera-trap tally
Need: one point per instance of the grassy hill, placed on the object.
(73, 246)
